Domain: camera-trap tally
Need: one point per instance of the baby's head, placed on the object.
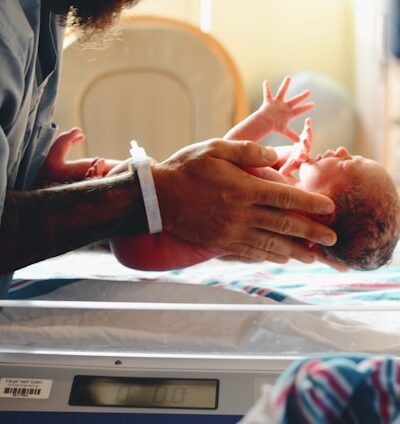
(367, 217)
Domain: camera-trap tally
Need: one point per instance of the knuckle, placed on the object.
(284, 225)
(234, 199)
(251, 253)
(261, 255)
(239, 199)
(271, 244)
(247, 251)
(225, 197)
(215, 145)
(309, 233)
(277, 259)
(285, 199)
(306, 230)
(202, 150)
(247, 145)
(247, 148)
(242, 197)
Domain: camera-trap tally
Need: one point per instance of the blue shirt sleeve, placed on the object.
(11, 95)
(26, 104)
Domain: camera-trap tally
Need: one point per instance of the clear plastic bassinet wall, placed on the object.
(253, 328)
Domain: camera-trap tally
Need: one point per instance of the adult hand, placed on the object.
(207, 198)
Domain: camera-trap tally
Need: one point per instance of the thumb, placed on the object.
(246, 153)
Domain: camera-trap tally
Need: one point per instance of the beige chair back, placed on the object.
(162, 82)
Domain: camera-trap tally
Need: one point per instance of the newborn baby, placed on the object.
(366, 219)
(367, 203)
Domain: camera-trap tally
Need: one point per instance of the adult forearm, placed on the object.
(44, 223)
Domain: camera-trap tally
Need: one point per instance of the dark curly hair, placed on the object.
(367, 225)
(92, 16)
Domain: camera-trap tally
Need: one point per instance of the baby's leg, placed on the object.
(159, 252)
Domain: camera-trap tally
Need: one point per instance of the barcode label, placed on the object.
(25, 388)
(21, 392)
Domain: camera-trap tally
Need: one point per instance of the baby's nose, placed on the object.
(342, 152)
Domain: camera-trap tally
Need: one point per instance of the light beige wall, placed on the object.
(271, 38)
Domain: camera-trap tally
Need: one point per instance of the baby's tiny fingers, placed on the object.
(298, 98)
(299, 110)
(291, 134)
(267, 91)
(100, 167)
(282, 90)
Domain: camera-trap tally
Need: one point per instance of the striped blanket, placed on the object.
(292, 283)
(333, 389)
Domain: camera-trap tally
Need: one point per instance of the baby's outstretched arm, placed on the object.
(274, 114)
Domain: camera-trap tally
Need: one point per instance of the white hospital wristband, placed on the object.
(141, 163)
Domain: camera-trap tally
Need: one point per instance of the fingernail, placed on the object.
(308, 259)
(269, 153)
(328, 239)
(327, 208)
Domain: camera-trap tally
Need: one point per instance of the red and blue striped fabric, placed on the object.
(338, 389)
(313, 284)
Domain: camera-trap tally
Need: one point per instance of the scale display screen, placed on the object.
(132, 392)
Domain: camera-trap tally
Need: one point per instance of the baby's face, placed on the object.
(335, 169)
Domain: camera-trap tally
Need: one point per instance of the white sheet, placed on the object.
(251, 332)
(130, 329)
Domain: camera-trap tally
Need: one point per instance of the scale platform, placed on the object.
(49, 388)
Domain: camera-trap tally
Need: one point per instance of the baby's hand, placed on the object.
(98, 168)
(279, 112)
(300, 152)
(56, 169)
(56, 158)
(306, 138)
